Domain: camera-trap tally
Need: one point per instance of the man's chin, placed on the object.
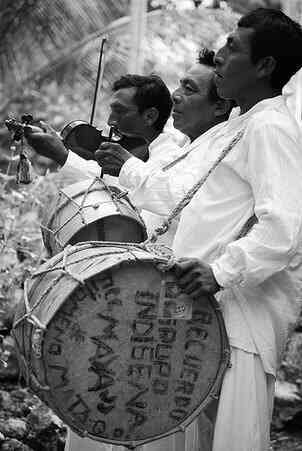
(178, 123)
(129, 134)
(224, 92)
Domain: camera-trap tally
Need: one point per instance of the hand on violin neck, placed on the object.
(111, 157)
(46, 142)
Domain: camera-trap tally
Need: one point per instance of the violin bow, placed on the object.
(98, 77)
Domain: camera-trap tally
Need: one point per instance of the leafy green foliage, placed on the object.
(21, 249)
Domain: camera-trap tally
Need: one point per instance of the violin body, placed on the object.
(84, 139)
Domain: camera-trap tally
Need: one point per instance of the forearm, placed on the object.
(47, 143)
(267, 249)
(274, 173)
(80, 168)
(151, 188)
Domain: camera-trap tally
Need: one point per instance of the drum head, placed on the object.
(123, 361)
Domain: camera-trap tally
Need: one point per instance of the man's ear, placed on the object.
(223, 107)
(266, 66)
(150, 116)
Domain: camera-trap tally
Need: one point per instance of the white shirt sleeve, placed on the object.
(154, 189)
(78, 169)
(274, 171)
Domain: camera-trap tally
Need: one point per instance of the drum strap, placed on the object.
(191, 193)
(247, 226)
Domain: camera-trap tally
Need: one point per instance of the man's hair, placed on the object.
(276, 35)
(151, 91)
(206, 57)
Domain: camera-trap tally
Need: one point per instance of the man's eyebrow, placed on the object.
(188, 80)
(231, 39)
(115, 103)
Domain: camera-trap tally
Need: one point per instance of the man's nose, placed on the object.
(176, 97)
(112, 121)
(218, 59)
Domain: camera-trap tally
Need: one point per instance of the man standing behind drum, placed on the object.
(249, 166)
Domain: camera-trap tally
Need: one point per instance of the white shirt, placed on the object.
(262, 175)
(292, 91)
(162, 151)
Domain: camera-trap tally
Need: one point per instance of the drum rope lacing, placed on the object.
(115, 198)
(160, 258)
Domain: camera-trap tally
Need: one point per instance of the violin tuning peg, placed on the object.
(27, 118)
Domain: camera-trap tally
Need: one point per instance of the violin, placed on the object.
(84, 139)
(81, 137)
(17, 127)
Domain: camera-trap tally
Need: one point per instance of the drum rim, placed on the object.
(51, 238)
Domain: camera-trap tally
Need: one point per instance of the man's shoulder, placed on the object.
(165, 144)
(274, 119)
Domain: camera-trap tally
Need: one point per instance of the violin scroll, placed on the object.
(18, 127)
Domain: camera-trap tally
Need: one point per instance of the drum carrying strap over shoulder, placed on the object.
(191, 193)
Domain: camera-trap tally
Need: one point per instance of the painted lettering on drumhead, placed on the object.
(162, 369)
(79, 409)
(107, 402)
(167, 334)
(142, 330)
(160, 386)
(139, 370)
(142, 352)
(149, 301)
(98, 427)
(196, 336)
(138, 401)
(152, 351)
(62, 373)
(202, 316)
(109, 331)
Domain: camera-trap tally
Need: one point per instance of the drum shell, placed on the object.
(57, 300)
(91, 211)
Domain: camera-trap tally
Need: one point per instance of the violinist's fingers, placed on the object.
(103, 155)
(47, 128)
(191, 287)
(186, 279)
(110, 146)
(184, 265)
(110, 169)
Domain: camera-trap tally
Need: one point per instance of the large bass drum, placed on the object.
(91, 211)
(109, 342)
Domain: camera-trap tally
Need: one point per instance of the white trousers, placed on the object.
(242, 421)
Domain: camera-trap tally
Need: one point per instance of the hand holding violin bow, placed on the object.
(111, 157)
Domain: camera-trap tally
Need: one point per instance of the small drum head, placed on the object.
(91, 210)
